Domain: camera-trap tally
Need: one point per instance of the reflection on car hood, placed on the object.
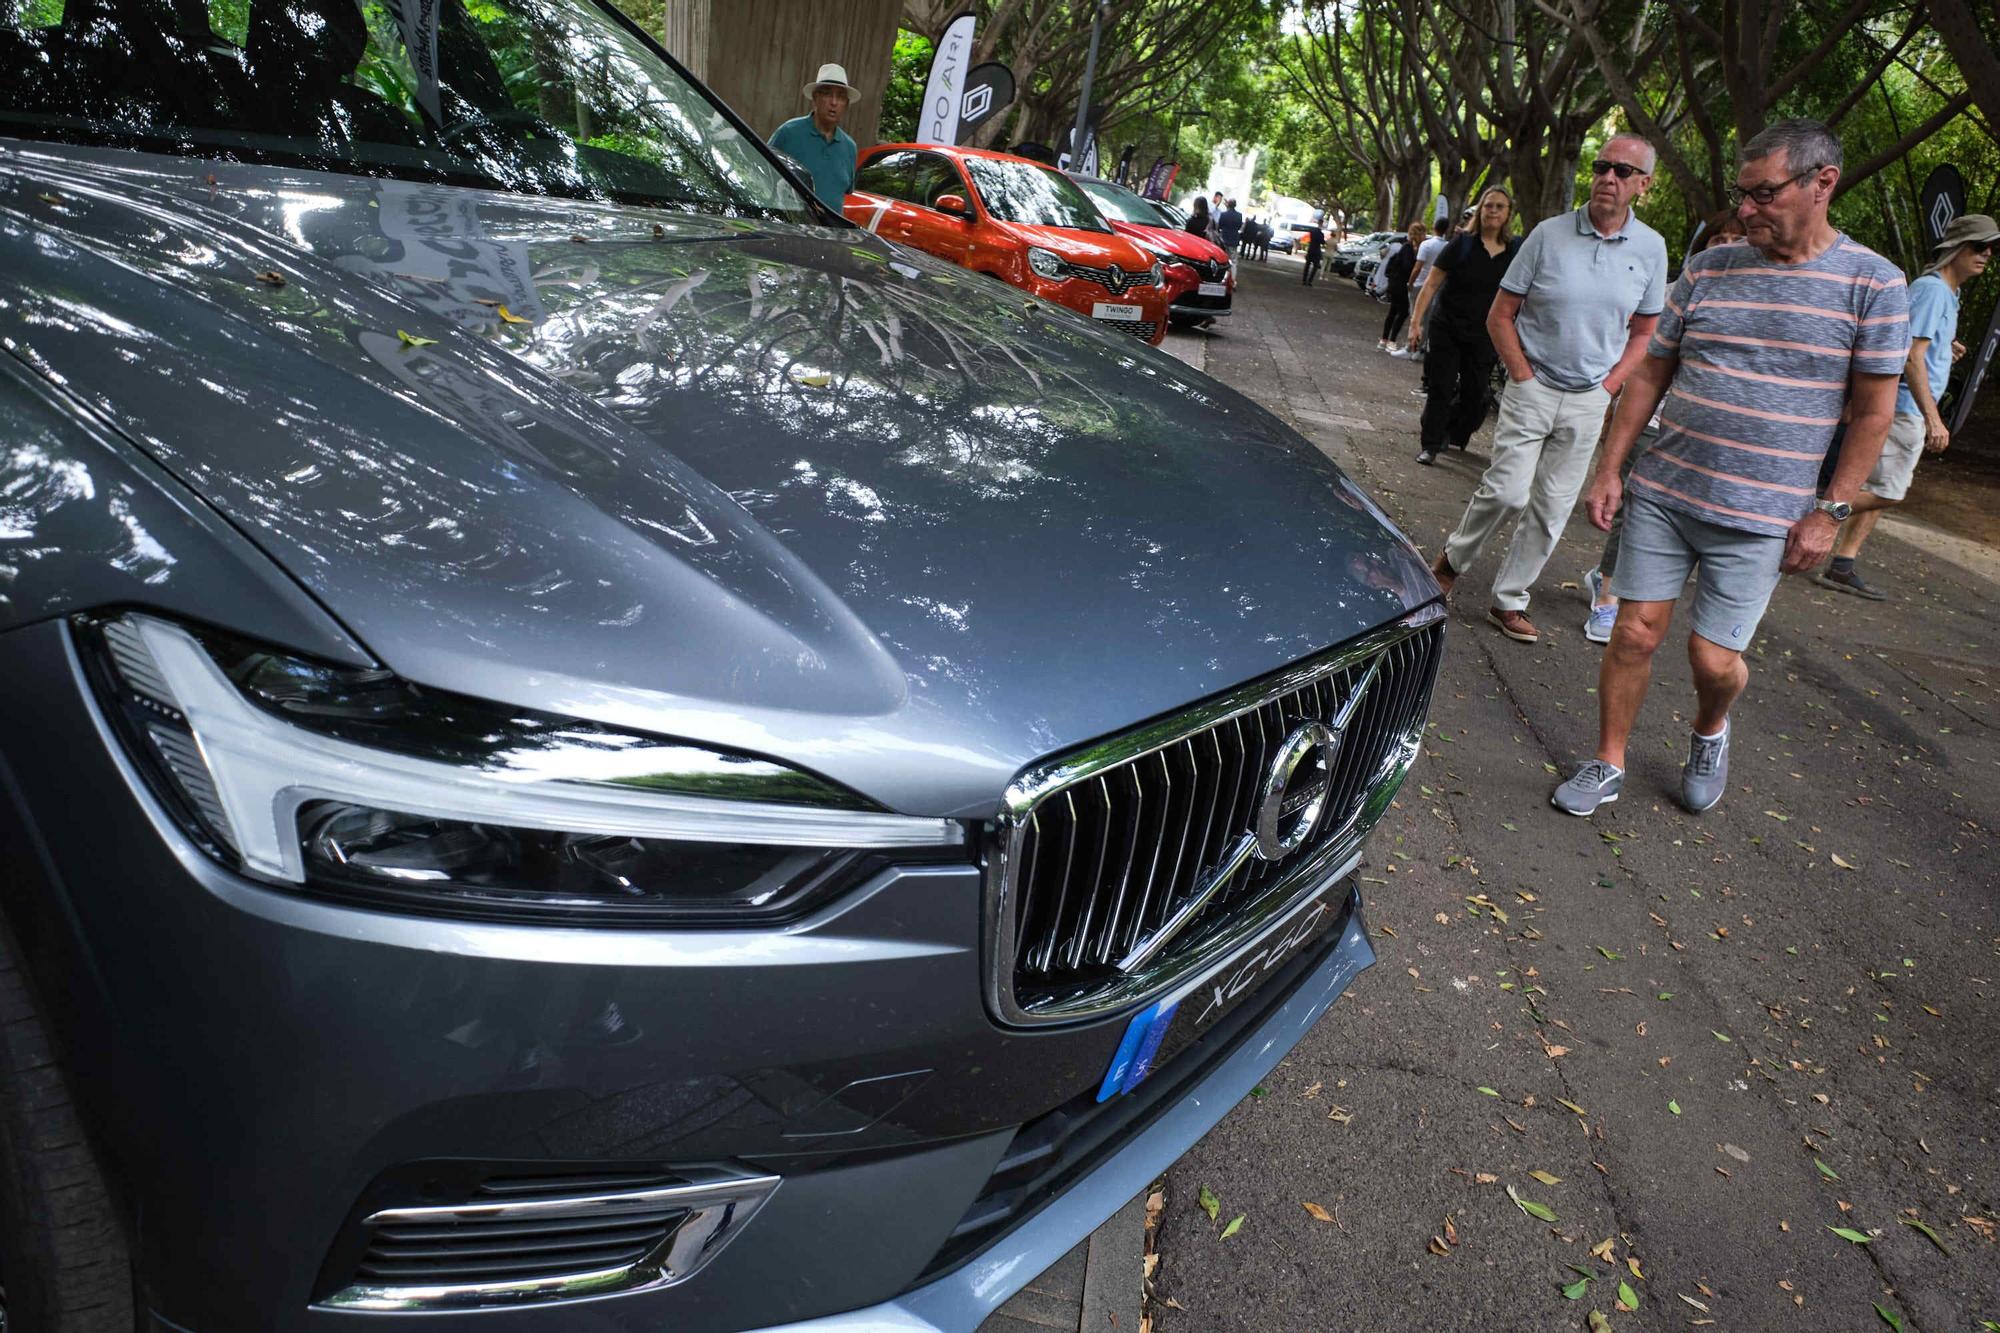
(1174, 241)
(789, 489)
(1094, 248)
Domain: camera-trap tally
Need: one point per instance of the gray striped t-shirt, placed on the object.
(1765, 353)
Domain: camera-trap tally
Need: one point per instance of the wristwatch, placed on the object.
(1837, 510)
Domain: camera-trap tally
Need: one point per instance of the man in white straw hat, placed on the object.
(817, 142)
(1961, 255)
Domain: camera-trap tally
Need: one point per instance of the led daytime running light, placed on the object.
(265, 769)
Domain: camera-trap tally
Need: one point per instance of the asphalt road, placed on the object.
(1719, 1036)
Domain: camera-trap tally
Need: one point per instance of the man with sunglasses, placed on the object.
(1962, 254)
(1569, 322)
(1760, 345)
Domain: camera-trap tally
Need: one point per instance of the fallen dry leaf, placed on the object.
(1319, 1214)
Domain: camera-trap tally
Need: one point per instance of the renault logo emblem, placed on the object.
(1116, 275)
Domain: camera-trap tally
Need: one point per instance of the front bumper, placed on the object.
(252, 1063)
(961, 1299)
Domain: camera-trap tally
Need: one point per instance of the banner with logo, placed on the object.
(418, 20)
(1942, 199)
(989, 90)
(944, 91)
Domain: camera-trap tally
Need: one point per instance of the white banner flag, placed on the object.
(938, 122)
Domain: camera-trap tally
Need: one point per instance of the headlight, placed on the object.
(356, 784)
(1047, 263)
(1158, 275)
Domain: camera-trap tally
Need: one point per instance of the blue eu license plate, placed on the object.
(1169, 1024)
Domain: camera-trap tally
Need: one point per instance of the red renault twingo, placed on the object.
(1014, 219)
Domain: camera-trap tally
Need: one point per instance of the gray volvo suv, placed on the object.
(586, 746)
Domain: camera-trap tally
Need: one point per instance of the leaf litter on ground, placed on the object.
(1209, 1203)
(1530, 1207)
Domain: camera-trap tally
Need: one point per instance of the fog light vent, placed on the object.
(540, 1246)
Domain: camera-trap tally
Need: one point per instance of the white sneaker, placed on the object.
(1400, 353)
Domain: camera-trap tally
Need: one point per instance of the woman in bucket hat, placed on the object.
(815, 140)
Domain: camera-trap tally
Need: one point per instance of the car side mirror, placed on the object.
(953, 204)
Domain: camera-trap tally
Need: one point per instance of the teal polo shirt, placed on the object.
(830, 161)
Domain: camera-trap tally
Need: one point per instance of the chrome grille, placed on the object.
(1124, 868)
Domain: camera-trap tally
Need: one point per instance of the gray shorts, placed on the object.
(1901, 449)
(1738, 571)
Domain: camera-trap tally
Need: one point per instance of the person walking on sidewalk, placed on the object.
(1723, 228)
(816, 140)
(1962, 255)
(1230, 223)
(1396, 271)
(1757, 349)
(1572, 319)
(1315, 251)
(1462, 284)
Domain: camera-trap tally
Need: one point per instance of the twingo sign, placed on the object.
(944, 91)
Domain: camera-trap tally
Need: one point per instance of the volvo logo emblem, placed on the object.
(1295, 790)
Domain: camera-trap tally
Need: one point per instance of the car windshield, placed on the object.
(1119, 205)
(1036, 195)
(551, 97)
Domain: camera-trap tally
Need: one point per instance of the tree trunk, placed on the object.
(1958, 24)
(757, 54)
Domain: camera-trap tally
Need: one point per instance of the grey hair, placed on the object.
(1808, 145)
(1626, 136)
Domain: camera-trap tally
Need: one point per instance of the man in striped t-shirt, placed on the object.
(1758, 349)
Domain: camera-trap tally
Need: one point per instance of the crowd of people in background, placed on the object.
(1751, 422)
(1743, 424)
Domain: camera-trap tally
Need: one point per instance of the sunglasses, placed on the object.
(1623, 170)
(1982, 247)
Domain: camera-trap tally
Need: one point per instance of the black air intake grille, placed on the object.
(453, 1253)
(1108, 846)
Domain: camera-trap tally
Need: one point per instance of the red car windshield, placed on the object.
(1119, 204)
(1037, 196)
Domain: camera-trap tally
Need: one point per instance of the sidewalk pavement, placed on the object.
(1693, 1046)
(1095, 1288)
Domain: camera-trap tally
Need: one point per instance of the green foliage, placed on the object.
(38, 13)
(909, 67)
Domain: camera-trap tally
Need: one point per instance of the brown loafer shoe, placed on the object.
(1442, 571)
(1514, 624)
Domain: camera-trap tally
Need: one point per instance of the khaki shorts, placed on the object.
(1898, 463)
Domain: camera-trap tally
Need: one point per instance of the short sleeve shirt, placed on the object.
(1427, 254)
(1579, 291)
(1933, 315)
(1472, 276)
(830, 161)
(1765, 352)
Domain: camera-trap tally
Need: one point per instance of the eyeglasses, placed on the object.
(1623, 170)
(1982, 247)
(1764, 194)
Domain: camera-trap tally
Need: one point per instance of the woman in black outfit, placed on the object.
(1198, 223)
(1396, 281)
(1463, 282)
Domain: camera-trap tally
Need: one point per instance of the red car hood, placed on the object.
(1094, 249)
(1173, 240)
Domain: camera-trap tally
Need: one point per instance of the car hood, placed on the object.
(788, 489)
(1174, 241)
(1094, 248)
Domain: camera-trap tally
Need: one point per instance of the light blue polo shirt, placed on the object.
(1578, 292)
(1933, 315)
(830, 161)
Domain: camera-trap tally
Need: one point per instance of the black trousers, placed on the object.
(1312, 270)
(1399, 310)
(1458, 365)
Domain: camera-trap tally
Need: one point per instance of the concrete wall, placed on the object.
(755, 54)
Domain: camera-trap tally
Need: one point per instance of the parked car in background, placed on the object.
(1013, 219)
(552, 685)
(1349, 256)
(1201, 281)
